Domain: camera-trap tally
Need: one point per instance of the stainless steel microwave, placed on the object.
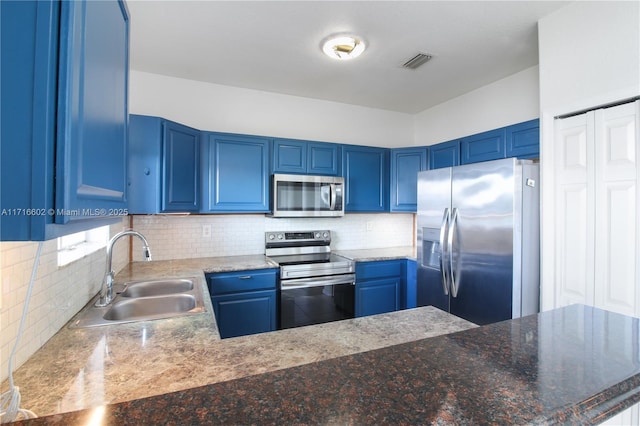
(306, 196)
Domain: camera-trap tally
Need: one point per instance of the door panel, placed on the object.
(616, 215)
(93, 116)
(574, 221)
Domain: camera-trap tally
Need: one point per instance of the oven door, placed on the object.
(317, 300)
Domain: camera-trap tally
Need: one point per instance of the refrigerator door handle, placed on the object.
(443, 251)
(454, 275)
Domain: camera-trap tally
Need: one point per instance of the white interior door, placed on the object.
(597, 217)
(574, 215)
(617, 225)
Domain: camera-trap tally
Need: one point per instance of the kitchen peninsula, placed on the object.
(575, 364)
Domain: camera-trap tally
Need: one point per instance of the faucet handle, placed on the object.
(147, 253)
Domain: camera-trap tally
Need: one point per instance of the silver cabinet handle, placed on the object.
(455, 277)
(443, 251)
(245, 277)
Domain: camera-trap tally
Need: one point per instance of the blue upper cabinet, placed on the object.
(302, 157)
(445, 154)
(405, 165)
(323, 158)
(289, 156)
(164, 166)
(92, 107)
(181, 167)
(483, 147)
(366, 177)
(64, 116)
(523, 139)
(235, 173)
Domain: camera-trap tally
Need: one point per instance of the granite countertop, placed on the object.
(573, 365)
(90, 367)
(369, 255)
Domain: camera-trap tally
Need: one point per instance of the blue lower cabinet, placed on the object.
(410, 287)
(380, 287)
(377, 296)
(244, 302)
(251, 312)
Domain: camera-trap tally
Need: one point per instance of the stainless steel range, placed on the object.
(316, 286)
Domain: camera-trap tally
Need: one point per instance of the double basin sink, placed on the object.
(145, 300)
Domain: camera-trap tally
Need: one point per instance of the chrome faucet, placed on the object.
(106, 291)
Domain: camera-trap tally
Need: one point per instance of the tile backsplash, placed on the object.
(178, 237)
(58, 292)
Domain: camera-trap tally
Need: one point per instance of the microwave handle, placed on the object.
(332, 196)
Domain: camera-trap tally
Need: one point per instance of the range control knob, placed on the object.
(272, 237)
(325, 235)
(281, 236)
(317, 235)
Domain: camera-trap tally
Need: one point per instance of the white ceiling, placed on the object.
(274, 46)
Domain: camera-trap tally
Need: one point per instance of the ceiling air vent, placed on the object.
(416, 61)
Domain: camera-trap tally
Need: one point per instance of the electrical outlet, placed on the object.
(206, 231)
(369, 226)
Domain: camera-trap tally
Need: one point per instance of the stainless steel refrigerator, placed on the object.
(478, 240)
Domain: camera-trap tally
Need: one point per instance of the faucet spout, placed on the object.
(106, 290)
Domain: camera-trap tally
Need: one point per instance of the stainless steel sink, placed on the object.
(157, 287)
(144, 301)
(146, 308)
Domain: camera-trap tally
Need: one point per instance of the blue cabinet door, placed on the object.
(445, 154)
(239, 314)
(64, 117)
(244, 302)
(405, 165)
(366, 176)
(523, 139)
(181, 168)
(377, 296)
(410, 285)
(289, 156)
(235, 173)
(323, 159)
(303, 157)
(380, 286)
(483, 147)
(91, 170)
(164, 166)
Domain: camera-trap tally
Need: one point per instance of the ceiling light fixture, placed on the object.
(343, 47)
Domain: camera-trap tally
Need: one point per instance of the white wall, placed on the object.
(589, 56)
(58, 292)
(513, 99)
(215, 107)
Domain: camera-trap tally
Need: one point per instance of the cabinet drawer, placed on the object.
(230, 282)
(387, 268)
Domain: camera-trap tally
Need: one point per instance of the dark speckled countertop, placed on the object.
(573, 365)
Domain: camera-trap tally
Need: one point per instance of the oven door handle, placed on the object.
(317, 282)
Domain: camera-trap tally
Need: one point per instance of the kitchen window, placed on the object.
(76, 246)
